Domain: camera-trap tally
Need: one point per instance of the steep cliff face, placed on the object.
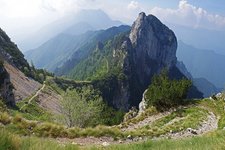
(151, 47)
(152, 40)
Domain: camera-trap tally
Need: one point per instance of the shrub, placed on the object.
(5, 118)
(81, 107)
(3, 107)
(164, 93)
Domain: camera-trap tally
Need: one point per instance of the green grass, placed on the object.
(217, 107)
(10, 141)
(31, 111)
(189, 117)
(148, 112)
(212, 141)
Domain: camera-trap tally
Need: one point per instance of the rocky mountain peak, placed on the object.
(154, 47)
(151, 37)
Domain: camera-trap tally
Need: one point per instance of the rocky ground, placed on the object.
(47, 98)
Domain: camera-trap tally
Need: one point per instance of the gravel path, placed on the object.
(210, 124)
(206, 126)
(146, 121)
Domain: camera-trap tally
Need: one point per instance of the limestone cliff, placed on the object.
(151, 47)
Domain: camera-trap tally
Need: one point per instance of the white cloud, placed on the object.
(189, 15)
(19, 18)
(133, 5)
(63, 6)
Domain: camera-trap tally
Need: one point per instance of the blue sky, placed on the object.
(20, 17)
(216, 6)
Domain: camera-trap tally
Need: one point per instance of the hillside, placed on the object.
(205, 87)
(73, 24)
(15, 85)
(64, 47)
(195, 122)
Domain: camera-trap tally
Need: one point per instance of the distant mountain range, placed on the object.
(74, 43)
(73, 24)
(203, 63)
(200, 38)
(64, 48)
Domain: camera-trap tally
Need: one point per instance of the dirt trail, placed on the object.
(34, 96)
(37, 93)
(210, 124)
(146, 121)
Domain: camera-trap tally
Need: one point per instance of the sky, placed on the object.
(19, 18)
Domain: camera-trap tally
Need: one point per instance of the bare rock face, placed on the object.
(154, 46)
(151, 47)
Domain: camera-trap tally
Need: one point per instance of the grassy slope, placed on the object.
(214, 140)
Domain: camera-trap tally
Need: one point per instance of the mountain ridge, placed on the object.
(70, 22)
(128, 61)
(199, 61)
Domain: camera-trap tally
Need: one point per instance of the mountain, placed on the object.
(203, 63)
(63, 47)
(14, 84)
(206, 87)
(73, 24)
(197, 37)
(122, 67)
(203, 85)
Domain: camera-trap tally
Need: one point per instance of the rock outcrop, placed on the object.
(151, 47)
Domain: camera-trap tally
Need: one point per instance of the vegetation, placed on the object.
(10, 141)
(164, 93)
(214, 141)
(181, 119)
(109, 115)
(101, 62)
(81, 107)
(31, 111)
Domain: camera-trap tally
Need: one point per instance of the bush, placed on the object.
(5, 118)
(81, 107)
(164, 93)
